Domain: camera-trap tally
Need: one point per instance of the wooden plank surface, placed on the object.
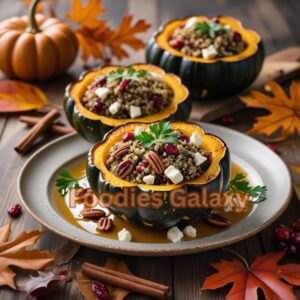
(277, 22)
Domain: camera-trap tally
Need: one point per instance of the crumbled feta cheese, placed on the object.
(156, 76)
(191, 22)
(138, 130)
(190, 231)
(199, 159)
(196, 139)
(149, 179)
(227, 27)
(174, 234)
(209, 52)
(102, 92)
(114, 108)
(124, 235)
(135, 111)
(173, 174)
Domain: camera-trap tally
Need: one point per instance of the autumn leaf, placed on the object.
(125, 35)
(15, 253)
(87, 15)
(284, 117)
(46, 282)
(295, 168)
(84, 283)
(264, 273)
(18, 96)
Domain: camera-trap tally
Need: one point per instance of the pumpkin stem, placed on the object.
(32, 23)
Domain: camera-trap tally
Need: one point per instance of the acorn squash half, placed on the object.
(93, 127)
(208, 78)
(215, 179)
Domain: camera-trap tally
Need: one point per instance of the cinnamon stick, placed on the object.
(56, 128)
(126, 281)
(38, 129)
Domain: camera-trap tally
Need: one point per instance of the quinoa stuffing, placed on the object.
(207, 39)
(158, 155)
(127, 93)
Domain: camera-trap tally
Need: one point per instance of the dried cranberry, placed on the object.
(296, 226)
(171, 149)
(98, 106)
(183, 137)
(237, 37)
(15, 210)
(128, 136)
(141, 166)
(282, 233)
(207, 155)
(123, 85)
(295, 238)
(100, 82)
(100, 290)
(157, 102)
(177, 43)
(229, 120)
(160, 180)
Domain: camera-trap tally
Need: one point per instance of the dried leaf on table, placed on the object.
(18, 96)
(125, 35)
(43, 284)
(15, 253)
(264, 274)
(284, 117)
(87, 15)
(84, 283)
(295, 168)
(64, 253)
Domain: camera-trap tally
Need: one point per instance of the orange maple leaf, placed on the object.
(15, 253)
(19, 96)
(284, 117)
(87, 15)
(125, 35)
(264, 273)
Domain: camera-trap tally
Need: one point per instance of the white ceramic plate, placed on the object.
(262, 165)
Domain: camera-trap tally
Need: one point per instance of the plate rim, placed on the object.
(151, 252)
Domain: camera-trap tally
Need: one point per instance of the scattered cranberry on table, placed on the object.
(100, 290)
(288, 237)
(15, 210)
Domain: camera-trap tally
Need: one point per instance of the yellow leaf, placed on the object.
(18, 96)
(15, 253)
(125, 35)
(284, 117)
(295, 168)
(87, 15)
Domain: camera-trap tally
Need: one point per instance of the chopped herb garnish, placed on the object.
(66, 181)
(161, 133)
(211, 28)
(130, 73)
(240, 184)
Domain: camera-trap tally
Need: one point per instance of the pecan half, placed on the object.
(218, 220)
(155, 162)
(121, 151)
(92, 213)
(104, 224)
(124, 168)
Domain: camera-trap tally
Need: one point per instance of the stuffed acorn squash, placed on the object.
(114, 95)
(160, 157)
(214, 57)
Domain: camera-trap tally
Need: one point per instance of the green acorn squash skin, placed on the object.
(208, 80)
(166, 216)
(94, 130)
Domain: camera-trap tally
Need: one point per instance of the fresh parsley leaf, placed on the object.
(66, 181)
(161, 133)
(130, 73)
(240, 184)
(211, 28)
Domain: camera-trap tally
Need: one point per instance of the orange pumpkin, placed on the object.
(35, 47)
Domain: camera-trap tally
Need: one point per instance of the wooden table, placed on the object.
(277, 21)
